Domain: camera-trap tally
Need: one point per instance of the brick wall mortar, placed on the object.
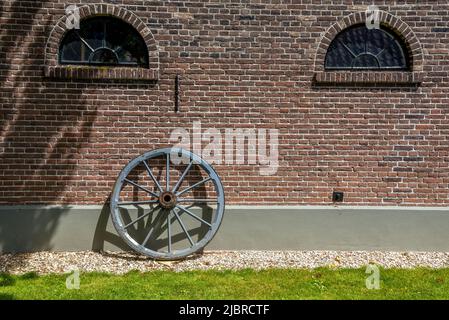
(242, 64)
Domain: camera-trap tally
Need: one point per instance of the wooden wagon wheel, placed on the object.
(176, 213)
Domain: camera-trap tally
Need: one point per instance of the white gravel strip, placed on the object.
(122, 262)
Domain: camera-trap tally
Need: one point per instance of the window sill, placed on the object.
(100, 73)
(373, 78)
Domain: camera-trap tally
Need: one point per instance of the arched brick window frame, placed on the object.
(415, 55)
(53, 69)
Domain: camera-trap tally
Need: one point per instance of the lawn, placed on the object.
(322, 283)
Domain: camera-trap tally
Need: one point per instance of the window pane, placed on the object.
(376, 41)
(104, 40)
(104, 56)
(362, 48)
(354, 40)
(93, 33)
(130, 49)
(71, 51)
(365, 61)
(338, 55)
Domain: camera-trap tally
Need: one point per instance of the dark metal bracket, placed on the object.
(177, 85)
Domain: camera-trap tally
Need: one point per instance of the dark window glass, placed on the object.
(370, 49)
(104, 41)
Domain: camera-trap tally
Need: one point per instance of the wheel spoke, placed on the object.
(169, 232)
(136, 202)
(152, 176)
(194, 186)
(194, 215)
(142, 188)
(167, 172)
(140, 218)
(197, 200)
(182, 177)
(147, 238)
(183, 227)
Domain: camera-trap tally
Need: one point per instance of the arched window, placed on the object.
(360, 48)
(104, 41)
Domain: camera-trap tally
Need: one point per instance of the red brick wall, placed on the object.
(243, 64)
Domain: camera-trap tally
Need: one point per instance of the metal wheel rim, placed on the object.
(214, 225)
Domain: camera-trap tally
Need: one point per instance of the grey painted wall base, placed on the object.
(35, 228)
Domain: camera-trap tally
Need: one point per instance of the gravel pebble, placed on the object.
(123, 262)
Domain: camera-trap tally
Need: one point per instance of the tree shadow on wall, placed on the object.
(23, 231)
(43, 126)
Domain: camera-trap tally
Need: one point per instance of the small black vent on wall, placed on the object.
(337, 196)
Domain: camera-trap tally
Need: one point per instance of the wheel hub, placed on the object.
(167, 200)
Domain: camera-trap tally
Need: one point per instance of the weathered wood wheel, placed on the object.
(165, 220)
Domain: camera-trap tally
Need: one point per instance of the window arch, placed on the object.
(106, 41)
(360, 48)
